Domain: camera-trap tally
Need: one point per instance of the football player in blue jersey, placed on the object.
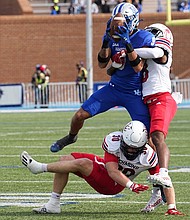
(125, 86)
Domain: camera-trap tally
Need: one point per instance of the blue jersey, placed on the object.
(125, 86)
(126, 79)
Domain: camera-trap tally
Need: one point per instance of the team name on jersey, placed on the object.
(137, 92)
(122, 162)
(115, 45)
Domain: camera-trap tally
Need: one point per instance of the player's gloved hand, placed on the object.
(123, 33)
(119, 59)
(137, 188)
(107, 36)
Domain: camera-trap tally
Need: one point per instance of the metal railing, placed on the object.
(63, 94)
(68, 94)
(182, 86)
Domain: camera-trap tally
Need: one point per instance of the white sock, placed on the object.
(44, 167)
(55, 195)
(171, 206)
(55, 199)
(163, 172)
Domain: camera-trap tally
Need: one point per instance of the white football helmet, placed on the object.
(163, 35)
(135, 137)
(130, 13)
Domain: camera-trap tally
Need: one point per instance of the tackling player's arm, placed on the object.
(158, 54)
(111, 163)
(114, 173)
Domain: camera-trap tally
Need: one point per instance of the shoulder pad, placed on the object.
(111, 142)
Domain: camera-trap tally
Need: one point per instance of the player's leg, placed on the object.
(162, 149)
(67, 164)
(77, 122)
(82, 166)
(137, 109)
(161, 116)
(155, 200)
(171, 203)
(99, 102)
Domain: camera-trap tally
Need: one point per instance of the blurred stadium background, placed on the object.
(30, 35)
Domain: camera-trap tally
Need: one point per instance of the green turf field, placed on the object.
(35, 132)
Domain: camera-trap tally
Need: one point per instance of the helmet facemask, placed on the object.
(134, 139)
(130, 14)
(131, 21)
(155, 31)
(130, 152)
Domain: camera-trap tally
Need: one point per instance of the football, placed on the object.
(117, 20)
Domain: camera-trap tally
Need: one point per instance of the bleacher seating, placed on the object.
(44, 6)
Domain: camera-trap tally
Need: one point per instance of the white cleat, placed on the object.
(164, 181)
(154, 202)
(47, 209)
(34, 166)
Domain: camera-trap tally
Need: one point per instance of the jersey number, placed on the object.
(116, 137)
(144, 73)
(127, 171)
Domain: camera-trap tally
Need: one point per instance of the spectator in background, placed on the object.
(71, 9)
(185, 6)
(38, 79)
(80, 80)
(138, 5)
(94, 7)
(159, 7)
(53, 11)
(78, 6)
(55, 8)
(105, 8)
(47, 72)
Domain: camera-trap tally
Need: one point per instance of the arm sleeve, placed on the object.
(154, 170)
(110, 157)
(150, 53)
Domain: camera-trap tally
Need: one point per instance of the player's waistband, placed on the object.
(127, 89)
(152, 98)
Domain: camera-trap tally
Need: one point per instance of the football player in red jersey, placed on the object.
(127, 154)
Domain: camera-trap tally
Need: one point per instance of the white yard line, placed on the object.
(37, 199)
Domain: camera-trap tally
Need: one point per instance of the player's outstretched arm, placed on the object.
(120, 178)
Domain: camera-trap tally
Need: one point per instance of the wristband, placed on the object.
(129, 48)
(105, 44)
(135, 62)
(103, 59)
(129, 184)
